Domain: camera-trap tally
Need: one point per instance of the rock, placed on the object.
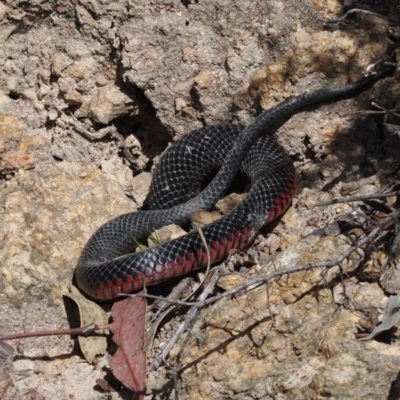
(3, 11)
(179, 104)
(58, 65)
(228, 203)
(242, 98)
(295, 349)
(115, 169)
(273, 242)
(361, 297)
(204, 79)
(329, 167)
(365, 191)
(52, 114)
(84, 17)
(12, 84)
(64, 85)
(8, 390)
(42, 208)
(74, 98)
(32, 143)
(13, 161)
(140, 187)
(109, 103)
(101, 80)
(139, 161)
(45, 75)
(308, 198)
(142, 69)
(165, 234)
(202, 218)
(390, 279)
(10, 132)
(75, 71)
(189, 112)
(182, 87)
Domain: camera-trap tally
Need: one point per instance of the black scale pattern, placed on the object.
(187, 163)
(105, 267)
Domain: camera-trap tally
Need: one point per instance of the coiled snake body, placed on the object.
(107, 265)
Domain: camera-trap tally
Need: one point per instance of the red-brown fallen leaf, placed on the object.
(129, 362)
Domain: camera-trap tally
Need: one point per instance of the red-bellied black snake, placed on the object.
(108, 266)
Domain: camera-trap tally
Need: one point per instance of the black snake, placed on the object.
(108, 266)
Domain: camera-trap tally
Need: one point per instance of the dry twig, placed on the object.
(191, 315)
(84, 330)
(259, 280)
(101, 133)
(360, 11)
(166, 306)
(359, 198)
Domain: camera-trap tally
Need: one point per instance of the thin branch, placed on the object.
(171, 302)
(188, 320)
(177, 293)
(203, 301)
(165, 299)
(256, 282)
(101, 133)
(203, 240)
(192, 314)
(84, 330)
(165, 309)
(384, 110)
(360, 11)
(259, 280)
(359, 198)
(187, 326)
(190, 317)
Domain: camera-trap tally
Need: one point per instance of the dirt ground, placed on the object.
(156, 70)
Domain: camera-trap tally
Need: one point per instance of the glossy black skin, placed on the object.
(107, 265)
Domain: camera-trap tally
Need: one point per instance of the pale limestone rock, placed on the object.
(140, 187)
(228, 203)
(202, 218)
(109, 103)
(74, 98)
(204, 79)
(13, 161)
(59, 63)
(165, 234)
(57, 206)
(10, 132)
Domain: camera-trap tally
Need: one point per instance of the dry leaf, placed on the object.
(390, 317)
(129, 362)
(90, 313)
